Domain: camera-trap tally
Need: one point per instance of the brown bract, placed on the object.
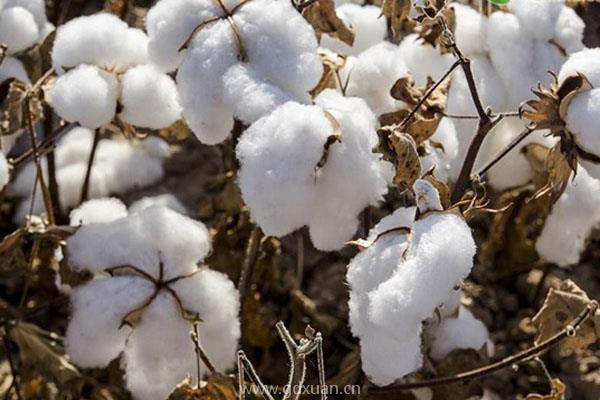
(321, 15)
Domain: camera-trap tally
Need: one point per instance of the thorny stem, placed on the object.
(526, 355)
(503, 152)
(250, 257)
(88, 172)
(36, 158)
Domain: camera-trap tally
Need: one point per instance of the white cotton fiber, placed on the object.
(37, 8)
(587, 62)
(569, 30)
(4, 171)
(538, 17)
(471, 29)
(18, 29)
(87, 95)
(571, 220)
(583, 120)
(366, 23)
(423, 60)
(281, 184)
(461, 332)
(12, 68)
(442, 150)
(100, 39)
(98, 211)
(282, 64)
(166, 200)
(373, 75)
(149, 98)
(157, 350)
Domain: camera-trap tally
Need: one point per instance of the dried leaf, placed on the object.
(560, 163)
(178, 131)
(332, 63)
(560, 307)
(321, 15)
(218, 387)
(397, 13)
(431, 30)
(558, 392)
(400, 149)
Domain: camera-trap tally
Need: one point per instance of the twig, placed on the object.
(457, 116)
(88, 173)
(250, 257)
(498, 156)
(200, 354)
(47, 142)
(51, 164)
(567, 331)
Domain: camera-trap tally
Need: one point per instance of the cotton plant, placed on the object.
(413, 263)
(312, 165)
(234, 60)
(103, 67)
(118, 167)
(146, 295)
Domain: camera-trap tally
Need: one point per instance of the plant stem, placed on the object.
(523, 356)
(250, 257)
(51, 164)
(88, 173)
(500, 155)
(46, 143)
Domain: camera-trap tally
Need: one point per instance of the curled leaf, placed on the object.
(397, 13)
(332, 63)
(321, 15)
(400, 149)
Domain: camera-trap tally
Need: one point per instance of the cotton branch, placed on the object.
(250, 257)
(88, 172)
(568, 331)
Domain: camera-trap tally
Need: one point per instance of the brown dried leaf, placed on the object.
(431, 31)
(178, 131)
(321, 15)
(558, 392)
(560, 163)
(331, 66)
(218, 387)
(400, 149)
(440, 186)
(397, 13)
(560, 307)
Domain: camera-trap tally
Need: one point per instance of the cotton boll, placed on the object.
(366, 23)
(569, 30)
(100, 39)
(18, 29)
(583, 119)
(571, 220)
(427, 196)
(470, 31)
(199, 83)
(463, 332)
(37, 8)
(278, 154)
(587, 62)
(423, 60)
(98, 211)
(538, 17)
(4, 171)
(373, 75)
(86, 95)
(149, 98)
(165, 200)
(12, 68)
(250, 96)
(94, 336)
(170, 23)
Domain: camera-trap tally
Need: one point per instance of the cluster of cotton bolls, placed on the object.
(23, 24)
(510, 52)
(119, 166)
(411, 268)
(103, 66)
(157, 353)
(576, 212)
(243, 66)
(285, 187)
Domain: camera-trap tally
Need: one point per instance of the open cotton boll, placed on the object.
(37, 8)
(538, 17)
(87, 95)
(149, 98)
(98, 211)
(18, 29)
(250, 95)
(365, 22)
(166, 200)
(571, 220)
(12, 68)
(569, 30)
(100, 39)
(4, 171)
(373, 75)
(583, 119)
(587, 62)
(470, 31)
(423, 60)
(170, 23)
(462, 332)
